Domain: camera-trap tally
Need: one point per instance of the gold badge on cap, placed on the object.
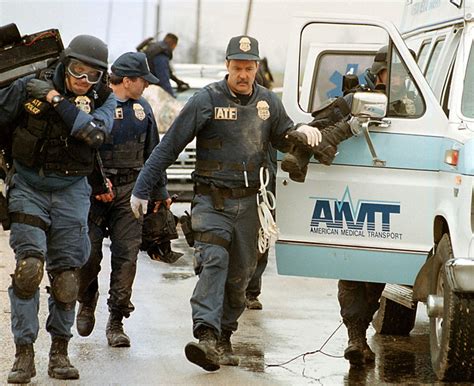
(244, 44)
(83, 103)
(139, 111)
(263, 110)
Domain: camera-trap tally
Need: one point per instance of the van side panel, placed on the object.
(350, 264)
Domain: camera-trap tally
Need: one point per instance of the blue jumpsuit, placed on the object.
(133, 138)
(60, 201)
(232, 140)
(161, 67)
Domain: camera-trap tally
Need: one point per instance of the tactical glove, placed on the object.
(137, 204)
(38, 88)
(183, 86)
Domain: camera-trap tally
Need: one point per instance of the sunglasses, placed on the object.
(79, 70)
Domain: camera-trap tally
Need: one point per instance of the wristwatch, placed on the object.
(56, 99)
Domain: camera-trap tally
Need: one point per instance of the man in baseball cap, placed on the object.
(242, 48)
(133, 137)
(133, 64)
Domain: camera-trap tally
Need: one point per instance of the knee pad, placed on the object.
(27, 277)
(65, 288)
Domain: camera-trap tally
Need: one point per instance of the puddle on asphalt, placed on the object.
(177, 275)
(251, 357)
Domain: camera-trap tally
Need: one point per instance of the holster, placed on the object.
(186, 227)
(217, 198)
(4, 215)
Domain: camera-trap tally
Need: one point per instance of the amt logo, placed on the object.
(334, 214)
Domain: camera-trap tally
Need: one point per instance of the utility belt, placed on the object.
(218, 195)
(123, 179)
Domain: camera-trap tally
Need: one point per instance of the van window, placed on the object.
(422, 53)
(404, 99)
(433, 59)
(329, 70)
(328, 51)
(467, 105)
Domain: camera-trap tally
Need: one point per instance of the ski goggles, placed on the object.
(79, 70)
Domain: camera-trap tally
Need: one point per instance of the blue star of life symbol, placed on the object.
(336, 79)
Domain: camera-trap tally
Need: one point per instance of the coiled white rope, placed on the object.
(268, 232)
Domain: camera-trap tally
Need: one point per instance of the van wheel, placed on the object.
(393, 318)
(452, 334)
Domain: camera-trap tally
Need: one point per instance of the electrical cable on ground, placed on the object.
(310, 352)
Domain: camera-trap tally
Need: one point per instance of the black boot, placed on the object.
(24, 366)
(116, 337)
(297, 159)
(358, 352)
(85, 319)
(252, 302)
(296, 162)
(204, 353)
(332, 136)
(225, 351)
(59, 365)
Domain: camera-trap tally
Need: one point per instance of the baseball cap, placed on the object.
(242, 48)
(132, 64)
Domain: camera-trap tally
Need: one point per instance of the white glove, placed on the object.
(137, 204)
(313, 135)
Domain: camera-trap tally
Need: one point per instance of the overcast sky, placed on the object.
(125, 23)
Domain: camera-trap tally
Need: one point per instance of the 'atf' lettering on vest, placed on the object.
(225, 113)
(35, 106)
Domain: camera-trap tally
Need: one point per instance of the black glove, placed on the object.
(38, 88)
(183, 86)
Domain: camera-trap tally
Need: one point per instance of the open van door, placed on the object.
(374, 215)
(360, 219)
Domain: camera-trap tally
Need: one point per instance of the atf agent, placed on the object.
(358, 300)
(133, 137)
(61, 117)
(234, 121)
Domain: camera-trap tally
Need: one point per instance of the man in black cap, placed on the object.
(133, 137)
(234, 121)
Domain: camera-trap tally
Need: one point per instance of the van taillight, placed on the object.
(451, 157)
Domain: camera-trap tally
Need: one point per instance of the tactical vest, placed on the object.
(124, 146)
(235, 141)
(153, 49)
(43, 142)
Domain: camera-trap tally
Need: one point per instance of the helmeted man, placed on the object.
(358, 300)
(234, 121)
(61, 117)
(133, 137)
(159, 56)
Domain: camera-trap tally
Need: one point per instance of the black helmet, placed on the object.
(380, 61)
(88, 49)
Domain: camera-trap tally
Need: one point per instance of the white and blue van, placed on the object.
(396, 206)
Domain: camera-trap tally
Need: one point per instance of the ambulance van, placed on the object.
(396, 205)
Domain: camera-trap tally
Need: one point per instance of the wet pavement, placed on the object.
(300, 315)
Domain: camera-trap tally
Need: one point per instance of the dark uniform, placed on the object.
(53, 150)
(159, 55)
(133, 138)
(233, 133)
